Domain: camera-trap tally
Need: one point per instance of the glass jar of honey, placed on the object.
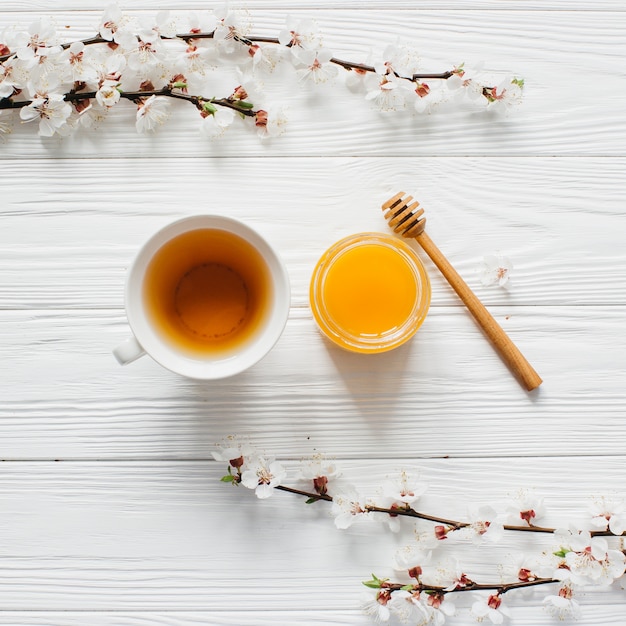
(369, 292)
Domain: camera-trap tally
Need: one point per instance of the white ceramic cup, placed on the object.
(146, 337)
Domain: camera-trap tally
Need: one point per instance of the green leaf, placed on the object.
(407, 588)
(229, 478)
(179, 84)
(519, 82)
(211, 109)
(561, 553)
(242, 104)
(312, 500)
(372, 584)
(375, 583)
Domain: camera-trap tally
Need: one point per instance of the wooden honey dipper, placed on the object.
(403, 218)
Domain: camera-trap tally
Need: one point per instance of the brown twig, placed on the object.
(135, 96)
(407, 511)
(499, 588)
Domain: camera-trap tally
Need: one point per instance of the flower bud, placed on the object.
(441, 532)
(261, 118)
(237, 463)
(422, 89)
(320, 483)
(494, 601)
(240, 93)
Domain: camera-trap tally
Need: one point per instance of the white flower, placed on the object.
(7, 80)
(411, 608)
(270, 122)
(319, 470)
(402, 606)
(451, 576)
(232, 26)
(526, 506)
(595, 565)
(318, 466)
(151, 113)
(40, 35)
(204, 22)
(387, 92)
(92, 115)
(49, 67)
(609, 513)
(587, 560)
(527, 567)
(496, 270)
(406, 488)
(216, 123)
(110, 67)
(300, 34)
(397, 494)
(80, 69)
(507, 94)
(416, 554)
(262, 475)
(51, 110)
(355, 80)
(264, 59)
(348, 506)
(399, 59)
(144, 56)
(562, 606)
(234, 450)
(195, 59)
(164, 25)
(114, 26)
(375, 605)
(318, 67)
(484, 525)
(490, 608)
(468, 82)
(429, 96)
(108, 93)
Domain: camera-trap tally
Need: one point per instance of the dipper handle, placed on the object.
(508, 350)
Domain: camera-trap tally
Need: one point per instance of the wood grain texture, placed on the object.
(559, 220)
(113, 513)
(445, 393)
(150, 6)
(599, 615)
(171, 537)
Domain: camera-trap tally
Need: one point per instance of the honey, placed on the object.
(370, 293)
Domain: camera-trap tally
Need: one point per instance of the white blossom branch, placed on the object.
(63, 87)
(580, 559)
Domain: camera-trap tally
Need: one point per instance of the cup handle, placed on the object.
(128, 351)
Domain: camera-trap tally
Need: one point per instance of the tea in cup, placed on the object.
(207, 297)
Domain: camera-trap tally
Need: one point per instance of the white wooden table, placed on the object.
(111, 507)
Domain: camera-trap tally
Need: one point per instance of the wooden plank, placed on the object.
(40, 6)
(154, 537)
(594, 615)
(202, 618)
(557, 117)
(446, 393)
(70, 229)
